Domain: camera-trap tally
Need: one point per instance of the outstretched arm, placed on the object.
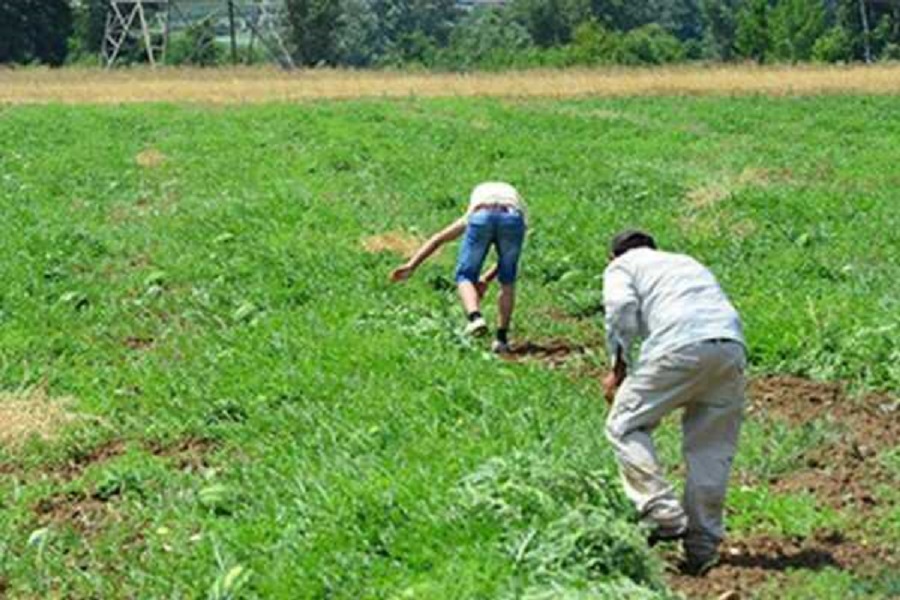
(448, 234)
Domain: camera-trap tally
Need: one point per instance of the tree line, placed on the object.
(520, 33)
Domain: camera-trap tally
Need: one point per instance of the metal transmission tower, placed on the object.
(265, 18)
(141, 22)
(147, 25)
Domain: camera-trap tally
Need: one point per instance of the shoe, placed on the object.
(498, 347)
(660, 535)
(477, 328)
(698, 566)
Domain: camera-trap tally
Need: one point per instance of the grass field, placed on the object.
(209, 388)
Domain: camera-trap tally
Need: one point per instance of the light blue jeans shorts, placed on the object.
(501, 228)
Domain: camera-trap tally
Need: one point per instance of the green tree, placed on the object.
(486, 37)
(682, 18)
(89, 27)
(196, 45)
(312, 35)
(752, 39)
(413, 29)
(795, 27)
(835, 45)
(593, 43)
(34, 31)
(360, 37)
(550, 22)
(650, 45)
(719, 28)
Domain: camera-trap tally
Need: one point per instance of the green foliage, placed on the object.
(757, 510)
(795, 27)
(752, 38)
(89, 26)
(772, 448)
(835, 583)
(196, 45)
(360, 38)
(719, 28)
(891, 52)
(312, 31)
(34, 31)
(487, 39)
(650, 45)
(592, 43)
(541, 33)
(549, 22)
(835, 45)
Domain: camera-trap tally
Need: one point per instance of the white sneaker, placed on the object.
(477, 328)
(498, 347)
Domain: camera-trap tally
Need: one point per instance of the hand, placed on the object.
(610, 386)
(401, 273)
(481, 288)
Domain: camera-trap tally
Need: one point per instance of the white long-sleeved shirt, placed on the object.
(669, 300)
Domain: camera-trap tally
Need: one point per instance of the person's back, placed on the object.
(693, 358)
(678, 300)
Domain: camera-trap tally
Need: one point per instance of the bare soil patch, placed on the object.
(396, 242)
(138, 343)
(749, 563)
(80, 461)
(150, 158)
(86, 514)
(31, 413)
(188, 454)
(844, 472)
(553, 353)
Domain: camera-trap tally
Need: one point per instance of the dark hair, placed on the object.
(629, 240)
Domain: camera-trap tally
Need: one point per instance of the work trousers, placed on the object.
(706, 379)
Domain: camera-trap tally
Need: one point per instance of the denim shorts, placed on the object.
(505, 230)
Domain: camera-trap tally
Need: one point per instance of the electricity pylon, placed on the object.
(144, 22)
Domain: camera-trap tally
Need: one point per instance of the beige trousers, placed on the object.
(706, 379)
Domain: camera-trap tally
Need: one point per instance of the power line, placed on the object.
(145, 26)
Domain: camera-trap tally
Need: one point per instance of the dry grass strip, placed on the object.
(31, 413)
(267, 84)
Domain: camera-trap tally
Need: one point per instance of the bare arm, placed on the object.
(615, 377)
(448, 234)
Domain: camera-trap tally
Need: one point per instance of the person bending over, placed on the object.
(495, 218)
(692, 358)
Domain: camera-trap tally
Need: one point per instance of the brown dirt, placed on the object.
(31, 413)
(86, 514)
(553, 353)
(189, 454)
(845, 472)
(138, 343)
(150, 158)
(397, 242)
(100, 454)
(749, 563)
